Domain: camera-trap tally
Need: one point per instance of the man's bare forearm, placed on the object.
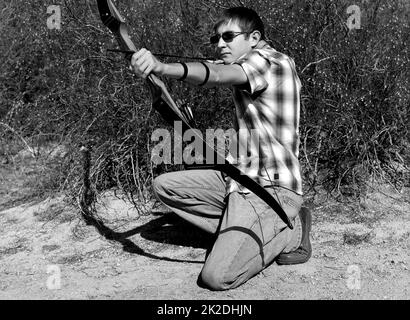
(219, 75)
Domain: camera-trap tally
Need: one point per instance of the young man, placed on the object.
(266, 93)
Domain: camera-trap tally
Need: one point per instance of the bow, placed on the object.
(169, 110)
(162, 101)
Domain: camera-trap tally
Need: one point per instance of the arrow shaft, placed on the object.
(160, 54)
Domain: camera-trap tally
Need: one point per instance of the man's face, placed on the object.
(240, 45)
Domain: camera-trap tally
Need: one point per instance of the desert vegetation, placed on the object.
(61, 90)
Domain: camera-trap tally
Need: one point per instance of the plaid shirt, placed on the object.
(268, 105)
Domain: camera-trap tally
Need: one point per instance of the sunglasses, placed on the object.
(227, 36)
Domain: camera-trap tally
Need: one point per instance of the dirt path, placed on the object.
(359, 253)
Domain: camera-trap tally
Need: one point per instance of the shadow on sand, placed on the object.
(167, 228)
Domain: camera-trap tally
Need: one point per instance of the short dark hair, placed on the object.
(247, 19)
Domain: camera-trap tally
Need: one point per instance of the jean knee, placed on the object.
(212, 280)
(159, 186)
(216, 279)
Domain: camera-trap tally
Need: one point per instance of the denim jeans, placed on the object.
(249, 234)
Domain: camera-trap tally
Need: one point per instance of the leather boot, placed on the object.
(304, 252)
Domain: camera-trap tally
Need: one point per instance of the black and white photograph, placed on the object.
(205, 155)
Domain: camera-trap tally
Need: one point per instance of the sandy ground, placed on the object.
(47, 252)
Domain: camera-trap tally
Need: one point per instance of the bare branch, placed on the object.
(316, 62)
